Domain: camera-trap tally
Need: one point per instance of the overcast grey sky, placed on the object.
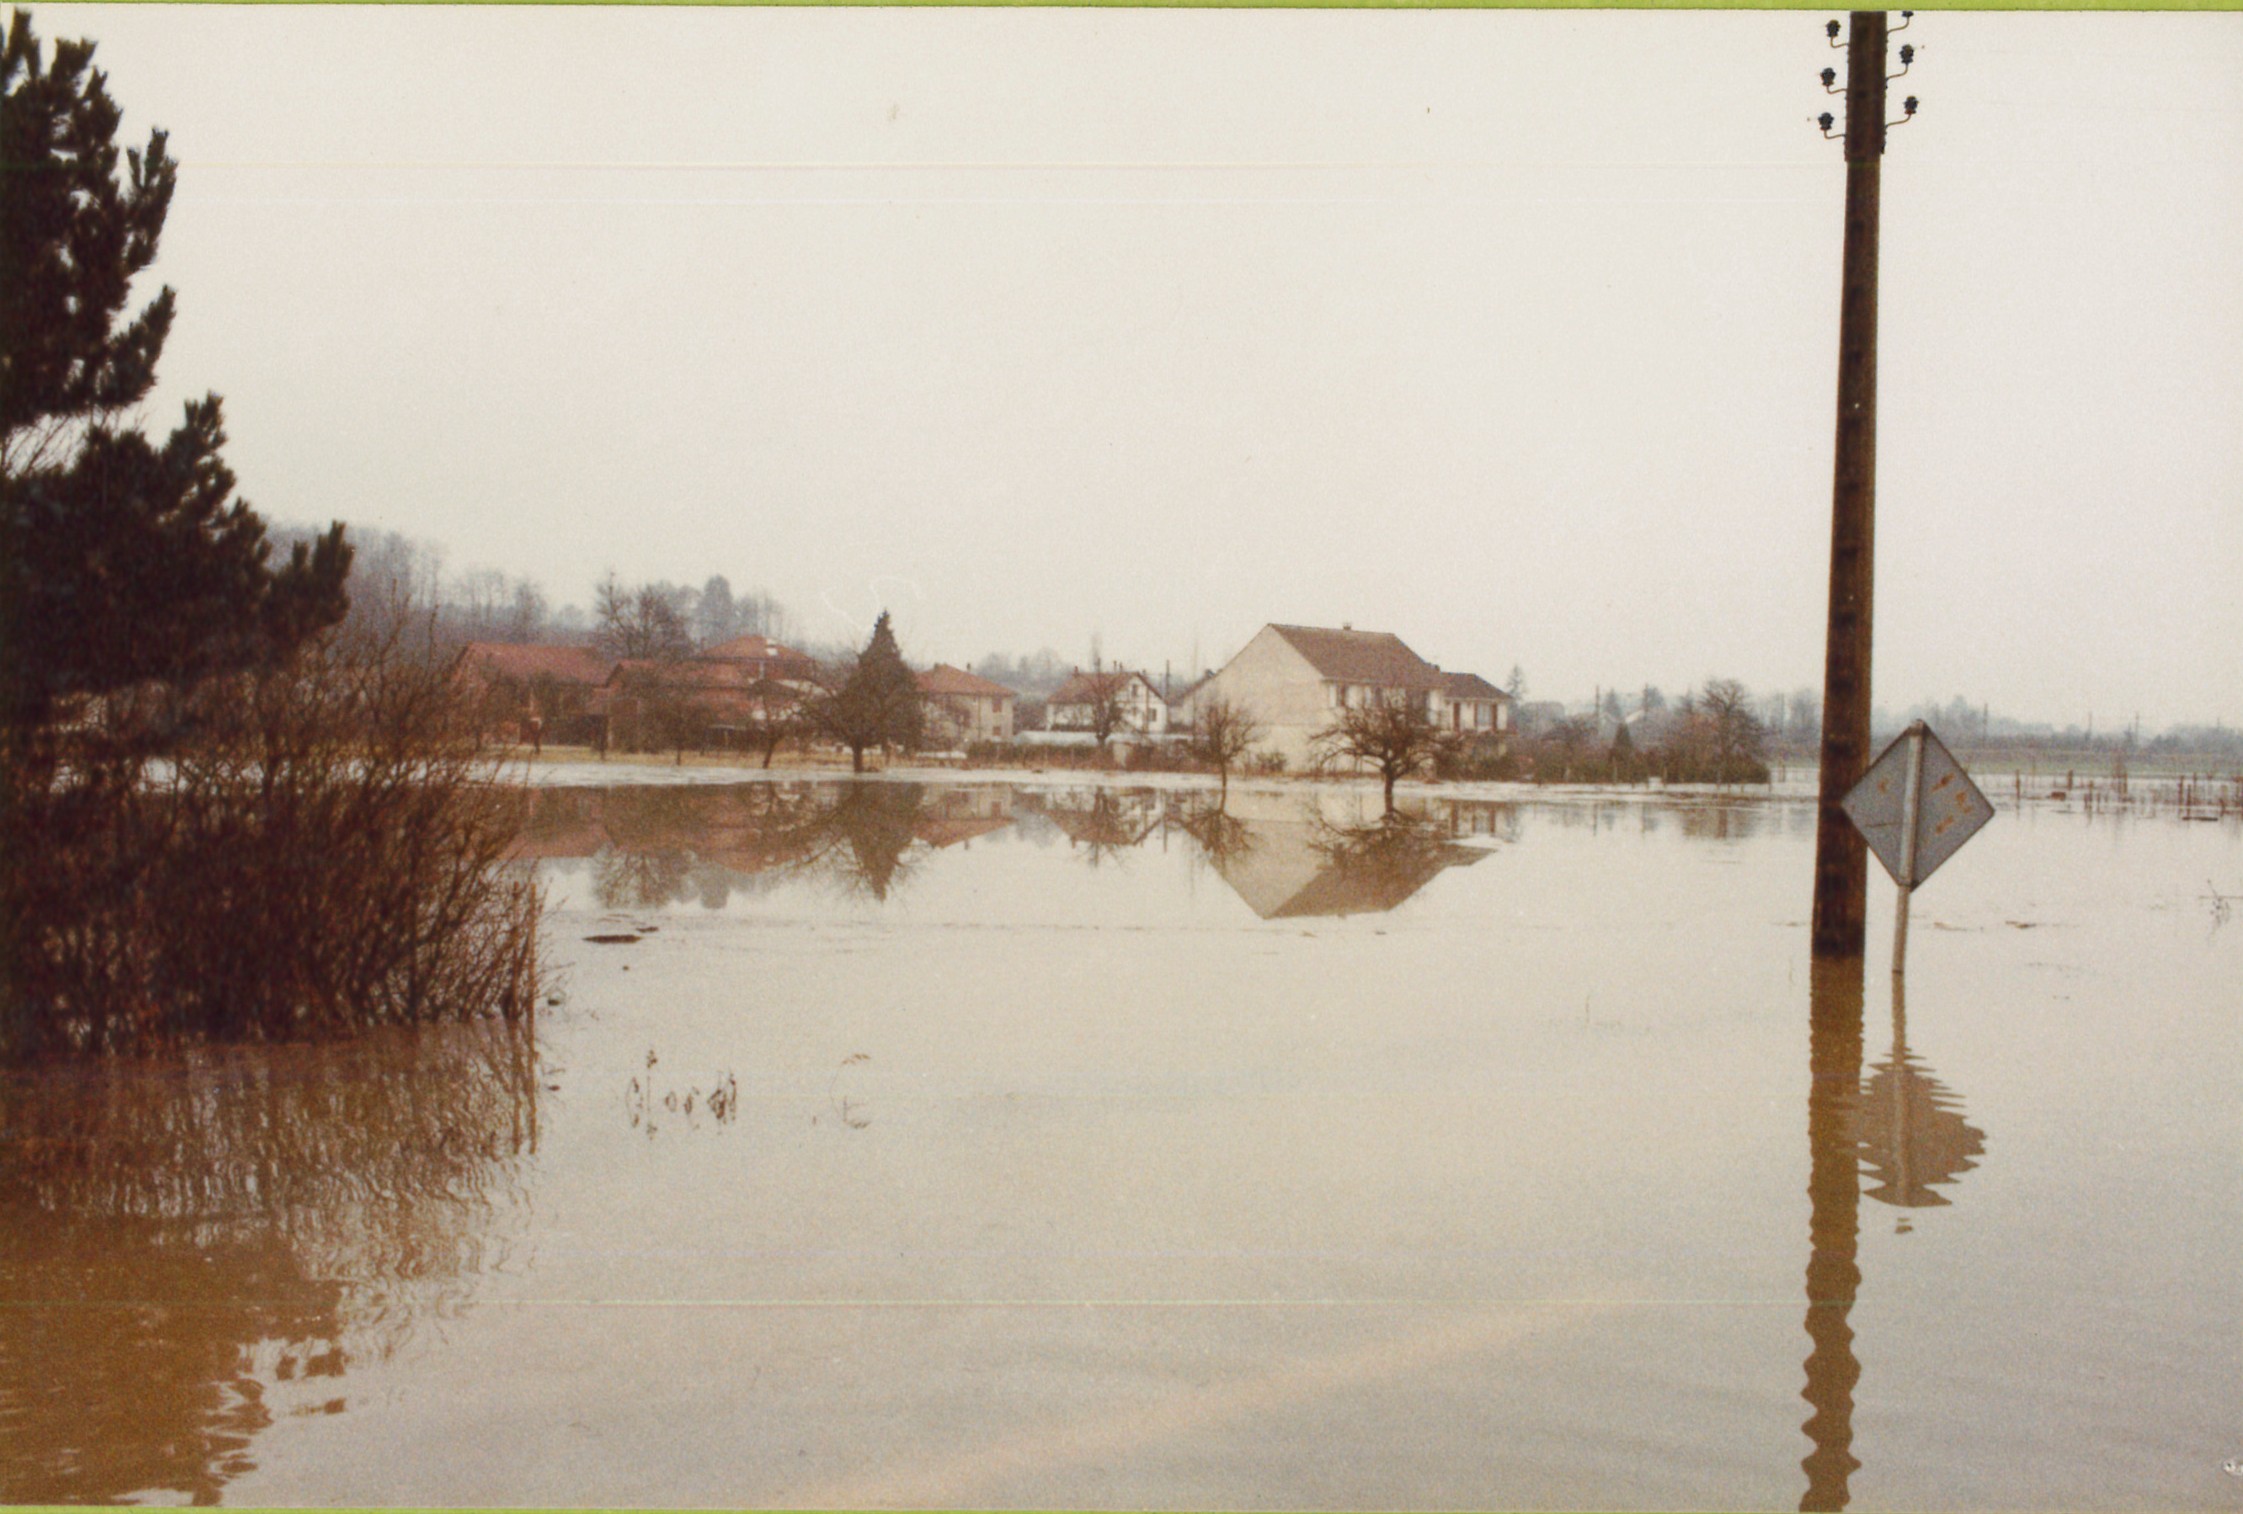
(1513, 333)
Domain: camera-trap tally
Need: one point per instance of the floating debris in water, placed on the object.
(613, 940)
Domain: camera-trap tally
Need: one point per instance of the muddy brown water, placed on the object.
(1048, 1145)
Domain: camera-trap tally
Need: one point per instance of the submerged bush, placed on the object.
(301, 850)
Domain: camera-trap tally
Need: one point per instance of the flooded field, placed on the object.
(1048, 1145)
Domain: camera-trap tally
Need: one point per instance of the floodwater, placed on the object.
(1047, 1145)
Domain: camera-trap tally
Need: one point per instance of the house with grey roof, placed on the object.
(1294, 681)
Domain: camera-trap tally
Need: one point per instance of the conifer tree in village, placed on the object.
(871, 702)
(121, 560)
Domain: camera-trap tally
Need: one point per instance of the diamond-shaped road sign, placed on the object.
(1949, 807)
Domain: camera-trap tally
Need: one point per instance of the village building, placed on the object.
(1472, 705)
(726, 695)
(961, 816)
(963, 708)
(1182, 702)
(1142, 711)
(538, 693)
(765, 658)
(647, 701)
(1294, 682)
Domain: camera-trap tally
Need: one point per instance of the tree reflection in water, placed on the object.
(861, 842)
(657, 846)
(1369, 869)
(1301, 864)
(1223, 839)
(191, 1247)
(1101, 824)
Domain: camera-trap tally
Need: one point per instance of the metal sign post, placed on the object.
(1911, 816)
(1915, 807)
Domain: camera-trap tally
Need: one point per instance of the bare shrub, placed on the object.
(1223, 733)
(318, 848)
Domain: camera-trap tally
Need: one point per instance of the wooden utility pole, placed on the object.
(1841, 859)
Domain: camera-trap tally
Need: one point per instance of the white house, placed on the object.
(1141, 710)
(1293, 681)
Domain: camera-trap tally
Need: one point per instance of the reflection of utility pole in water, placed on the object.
(1834, 1190)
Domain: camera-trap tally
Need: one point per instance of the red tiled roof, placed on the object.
(528, 660)
(942, 678)
(696, 673)
(1372, 657)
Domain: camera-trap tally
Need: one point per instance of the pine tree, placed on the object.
(873, 701)
(890, 689)
(121, 560)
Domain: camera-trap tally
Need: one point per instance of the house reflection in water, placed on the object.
(1289, 860)
(1285, 856)
(194, 1247)
(1102, 823)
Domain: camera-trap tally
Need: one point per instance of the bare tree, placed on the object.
(671, 712)
(526, 612)
(1737, 736)
(1102, 690)
(645, 622)
(777, 716)
(715, 615)
(1572, 736)
(1393, 734)
(1804, 725)
(1223, 732)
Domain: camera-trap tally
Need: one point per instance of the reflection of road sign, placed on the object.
(1949, 807)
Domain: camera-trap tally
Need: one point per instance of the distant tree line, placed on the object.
(484, 604)
(1791, 724)
(1035, 676)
